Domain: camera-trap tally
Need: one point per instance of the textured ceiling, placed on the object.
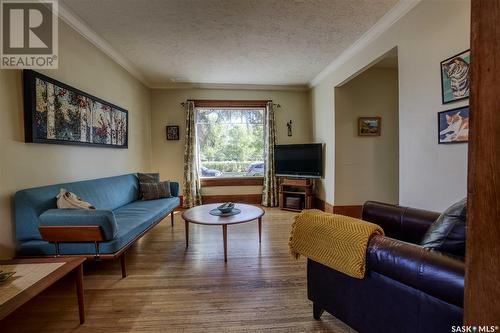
(230, 41)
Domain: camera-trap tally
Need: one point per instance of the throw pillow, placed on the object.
(148, 177)
(67, 199)
(145, 178)
(153, 191)
(447, 233)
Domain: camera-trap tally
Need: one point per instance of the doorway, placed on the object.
(367, 166)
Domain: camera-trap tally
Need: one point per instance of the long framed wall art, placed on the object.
(57, 113)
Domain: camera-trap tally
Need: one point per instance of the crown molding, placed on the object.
(230, 86)
(83, 29)
(391, 17)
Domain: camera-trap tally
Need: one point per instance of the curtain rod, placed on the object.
(231, 103)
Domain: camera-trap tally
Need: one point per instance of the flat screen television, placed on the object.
(304, 160)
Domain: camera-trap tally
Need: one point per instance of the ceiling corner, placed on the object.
(77, 24)
(387, 21)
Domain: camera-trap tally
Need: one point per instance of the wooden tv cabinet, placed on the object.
(295, 194)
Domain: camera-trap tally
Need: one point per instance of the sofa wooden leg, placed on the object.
(123, 265)
(317, 311)
(172, 218)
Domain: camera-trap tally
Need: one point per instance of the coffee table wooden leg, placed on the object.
(224, 235)
(260, 228)
(187, 233)
(79, 292)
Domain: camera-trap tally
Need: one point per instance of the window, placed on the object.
(230, 141)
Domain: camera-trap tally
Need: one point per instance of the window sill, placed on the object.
(232, 181)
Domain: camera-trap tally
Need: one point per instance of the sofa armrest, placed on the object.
(174, 189)
(403, 223)
(432, 272)
(105, 219)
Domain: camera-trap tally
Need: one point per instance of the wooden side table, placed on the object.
(34, 276)
(301, 189)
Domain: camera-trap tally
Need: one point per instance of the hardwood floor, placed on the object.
(173, 289)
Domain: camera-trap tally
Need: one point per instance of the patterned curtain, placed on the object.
(270, 191)
(191, 192)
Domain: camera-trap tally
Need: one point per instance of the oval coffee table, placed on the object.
(201, 215)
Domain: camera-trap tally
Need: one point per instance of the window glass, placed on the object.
(230, 142)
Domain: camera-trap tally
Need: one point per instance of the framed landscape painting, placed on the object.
(453, 125)
(455, 77)
(60, 114)
(369, 126)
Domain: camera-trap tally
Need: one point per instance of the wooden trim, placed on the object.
(482, 259)
(348, 210)
(234, 181)
(352, 211)
(72, 233)
(296, 182)
(320, 204)
(205, 103)
(255, 199)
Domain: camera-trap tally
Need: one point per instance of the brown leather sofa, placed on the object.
(407, 288)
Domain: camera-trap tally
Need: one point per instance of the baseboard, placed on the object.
(322, 205)
(352, 210)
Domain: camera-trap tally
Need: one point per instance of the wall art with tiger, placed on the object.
(455, 77)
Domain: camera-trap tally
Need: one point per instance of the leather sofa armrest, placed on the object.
(432, 272)
(105, 219)
(174, 189)
(403, 223)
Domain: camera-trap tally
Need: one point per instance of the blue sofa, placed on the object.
(120, 217)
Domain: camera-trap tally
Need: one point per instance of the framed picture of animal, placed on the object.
(453, 125)
(455, 77)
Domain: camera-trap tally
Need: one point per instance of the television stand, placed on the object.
(295, 194)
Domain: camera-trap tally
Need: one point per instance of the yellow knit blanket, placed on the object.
(336, 241)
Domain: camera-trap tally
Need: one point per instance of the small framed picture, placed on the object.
(453, 125)
(455, 77)
(173, 132)
(369, 126)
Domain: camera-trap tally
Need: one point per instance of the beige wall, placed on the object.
(166, 110)
(367, 168)
(26, 165)
(431, 176)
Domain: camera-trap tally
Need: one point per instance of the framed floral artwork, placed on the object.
(57, 113)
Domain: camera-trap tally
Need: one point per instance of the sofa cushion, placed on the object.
(153, 191)
(105, 193)
(147, 178)
(144, 210)
(78, 217)
(131, 220)
(447, 233)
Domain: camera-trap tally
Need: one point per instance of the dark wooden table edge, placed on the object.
(71, 264)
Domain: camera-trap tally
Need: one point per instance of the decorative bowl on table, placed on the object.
(226, 207)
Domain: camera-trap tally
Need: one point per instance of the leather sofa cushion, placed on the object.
(447, 234)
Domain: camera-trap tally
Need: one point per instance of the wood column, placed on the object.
(482, 273)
